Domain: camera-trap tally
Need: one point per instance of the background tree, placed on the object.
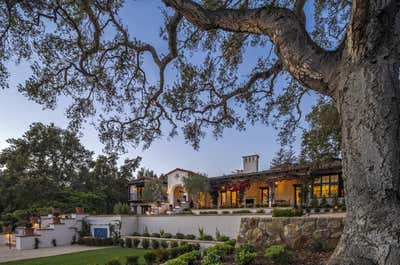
(38, 166)
(49, 167)
(154, 190)
(350, 55)
(146, 172)
(194, 184)
(284, 157)
(321, 141)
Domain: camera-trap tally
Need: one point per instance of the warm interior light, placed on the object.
(36, 225)
(8, 236)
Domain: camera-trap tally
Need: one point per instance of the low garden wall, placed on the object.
(227, 225)
(295, 232)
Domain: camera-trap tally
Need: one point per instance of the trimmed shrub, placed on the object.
(114, 262)
(164, 244)
(221, 250)
(91, 241)
(132, 260)
(155, 234)
(136, 234)
(162, 255)
(279, 254)
(145, 243)
(231, 242)
(155, 244)
(208, 238)
(179, 236)
(211, 259)
(245, 254)
(226, 212)
(174, 244)
(208, 212)
(190, 236)
(128, 242)
(286, 212)
(185, 259)
(135, 242)
(166, 235)
(150, 258)
(242, 211)
(314, 202)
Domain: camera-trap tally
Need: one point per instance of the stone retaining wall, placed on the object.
(295, 232)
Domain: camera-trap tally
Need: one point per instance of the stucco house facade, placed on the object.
(290, 185)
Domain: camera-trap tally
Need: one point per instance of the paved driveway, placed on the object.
(13, 254)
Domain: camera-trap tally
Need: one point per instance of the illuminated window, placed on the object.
(327, 186)
(234, 198)
(264, 195)
(325, 190)
(223, 198)
(334, 190)
(317, 190)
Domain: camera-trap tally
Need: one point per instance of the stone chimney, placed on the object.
(250, 163)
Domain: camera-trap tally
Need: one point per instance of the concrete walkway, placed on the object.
(13, 254)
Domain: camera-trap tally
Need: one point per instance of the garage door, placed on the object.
(100, 232)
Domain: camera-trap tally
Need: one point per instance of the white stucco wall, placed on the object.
(175, 178)
(128, 223)
(227, 225)
(60, 232)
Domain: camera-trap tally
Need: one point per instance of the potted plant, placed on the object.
(28, 230)
(56, 219)
(79, 210)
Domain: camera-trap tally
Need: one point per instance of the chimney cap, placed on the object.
(251, 156)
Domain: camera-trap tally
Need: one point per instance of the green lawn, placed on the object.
(91, 257)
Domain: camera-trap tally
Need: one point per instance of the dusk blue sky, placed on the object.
(215, 157)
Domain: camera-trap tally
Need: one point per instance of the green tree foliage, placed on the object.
(146, 172)
(321, 141)
(121, 208)
(154, 190)
(196, 183)
(103, 75)
(48, 167)
(284, 158)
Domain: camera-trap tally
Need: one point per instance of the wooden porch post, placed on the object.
(271, 200)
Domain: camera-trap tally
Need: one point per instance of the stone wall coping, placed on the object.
(176, 239)
(36, 235)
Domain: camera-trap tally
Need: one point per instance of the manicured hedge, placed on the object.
(91, 241)
(286, 212)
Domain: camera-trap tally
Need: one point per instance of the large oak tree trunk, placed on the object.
(369, 102)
